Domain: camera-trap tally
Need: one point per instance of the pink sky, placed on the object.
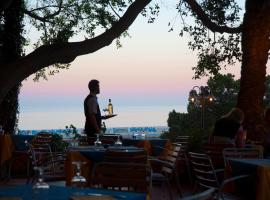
(154, 67)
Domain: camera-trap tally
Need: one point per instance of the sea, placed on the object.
(125, 132)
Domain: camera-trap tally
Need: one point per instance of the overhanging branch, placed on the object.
(45, 56)
(196, 8)
(44, 18)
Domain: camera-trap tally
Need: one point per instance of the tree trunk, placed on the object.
(11, 50)
(255, 47)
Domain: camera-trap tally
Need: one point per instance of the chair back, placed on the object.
(205, 195)
(40, 155)
(203, 170)
(171, 159)
(38, 152)
(241, 153)
(184, 141)
(82, 141)
(215, 152)
(122, 176)
(43, 138)
(138, 156)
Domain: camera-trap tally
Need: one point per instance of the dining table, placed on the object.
(154, 146)
(259, 169)
(88, 156)
(26, 192)
(6, 148)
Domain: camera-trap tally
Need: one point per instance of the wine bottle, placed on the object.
(110, 107)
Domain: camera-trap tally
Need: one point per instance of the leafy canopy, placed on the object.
(60, 21)
(214, 49)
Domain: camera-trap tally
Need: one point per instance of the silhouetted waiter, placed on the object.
(92, 111)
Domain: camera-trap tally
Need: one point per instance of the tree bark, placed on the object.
(255, 47)
(11, 49)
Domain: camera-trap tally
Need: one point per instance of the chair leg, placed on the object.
(9, 168)
(169, 187)
(195, 187)
(188, 170)
(178, 184)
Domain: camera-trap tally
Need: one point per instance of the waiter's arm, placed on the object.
(92, 111)
(93, 122)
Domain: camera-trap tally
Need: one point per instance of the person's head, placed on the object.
(267, 115)
(236, 114)
(93, 86)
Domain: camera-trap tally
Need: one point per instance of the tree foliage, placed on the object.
(62, 21)
(214, 48)
(224, 90)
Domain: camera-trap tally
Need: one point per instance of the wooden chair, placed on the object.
(183, 160)
(184, 141)
(41, 155)
(43, 138)
(82, 141)
(122, 176)
(168, 169)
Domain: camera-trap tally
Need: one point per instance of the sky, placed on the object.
(146, 79)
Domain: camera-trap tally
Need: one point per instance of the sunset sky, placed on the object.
(146, 78)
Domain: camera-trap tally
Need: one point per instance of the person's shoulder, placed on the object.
(221, 120)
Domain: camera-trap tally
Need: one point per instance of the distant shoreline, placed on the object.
(148, 130)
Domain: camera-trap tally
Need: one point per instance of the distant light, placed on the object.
(210, 99)
(192, 99)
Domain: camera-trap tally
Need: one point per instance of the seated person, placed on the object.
(229, 129)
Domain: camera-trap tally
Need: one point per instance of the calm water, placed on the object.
(127, 116)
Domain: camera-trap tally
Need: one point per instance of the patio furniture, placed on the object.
(92, 155)
(41, 156)
(215, 152)
(122, 176)
(168, 170)
(126, 155)
(154, 147)
(183, 160)
(259, 169)
(206, 176)
(208, 194)
(26, 192)
(234, 152)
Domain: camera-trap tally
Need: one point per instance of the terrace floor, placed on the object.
(158, 192)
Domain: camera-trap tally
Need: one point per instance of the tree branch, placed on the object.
(113, 10)
(47, 55)
(196, 8)
(45, 18)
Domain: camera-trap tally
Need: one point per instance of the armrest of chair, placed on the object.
(159, 161)
(230, 180)
(233, 179)
(159, 147)
(219, 170)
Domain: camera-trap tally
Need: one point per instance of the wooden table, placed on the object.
(260, 168)
(6, 148)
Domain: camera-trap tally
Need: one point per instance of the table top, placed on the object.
(96, 153)
(64, 193)
(249, 161)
